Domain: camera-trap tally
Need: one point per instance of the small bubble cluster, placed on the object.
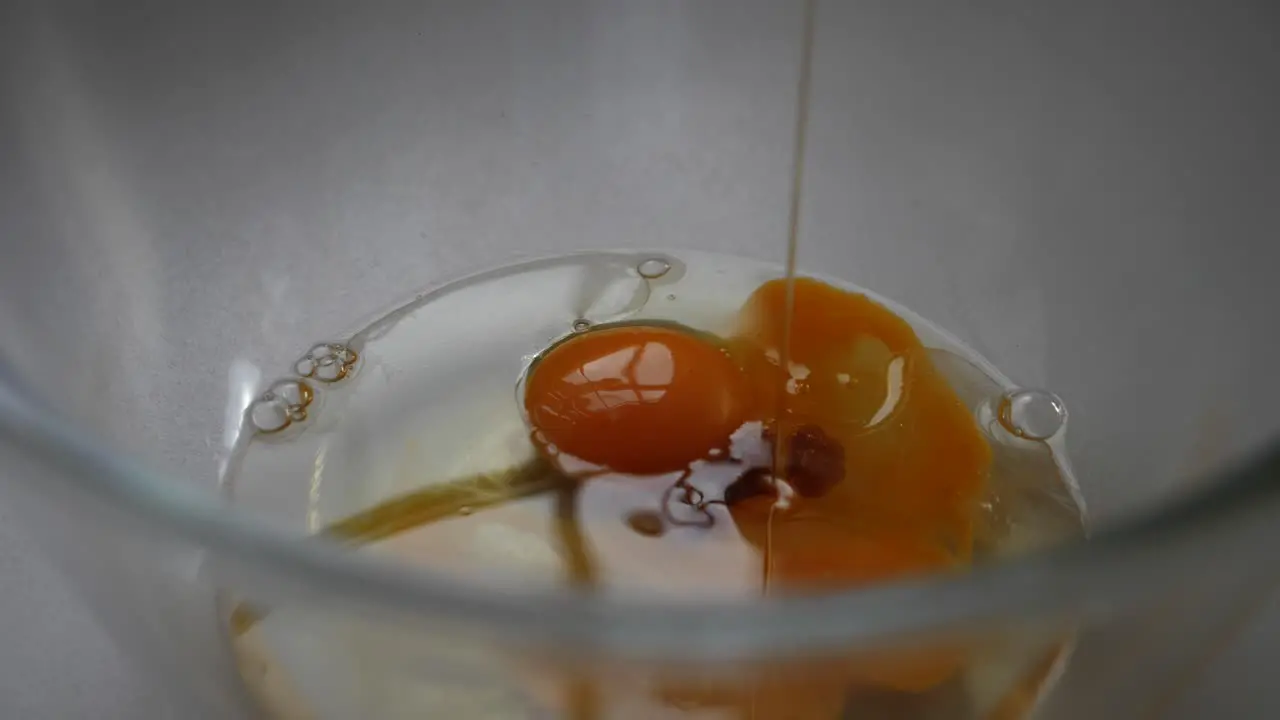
(288, 401)
(327, 362)
(283, 404)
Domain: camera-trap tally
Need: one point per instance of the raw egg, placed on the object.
(884, 465)
(914, 461)
(859, 399)
(636, 399)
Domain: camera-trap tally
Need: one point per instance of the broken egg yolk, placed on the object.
(914, 462)
(861, 400)
(636, 399)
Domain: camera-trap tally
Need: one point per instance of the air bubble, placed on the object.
(329, 369)
(327, 362)
(269, 414)
(653, 268)
(1032, 414)
(281, 405)
(580, 325)
(304, 367)
(294, 393)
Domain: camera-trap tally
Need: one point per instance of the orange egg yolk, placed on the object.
(636, 399)
(915, 463)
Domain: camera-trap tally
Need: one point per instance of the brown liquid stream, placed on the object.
(432, 504)
(793, 243)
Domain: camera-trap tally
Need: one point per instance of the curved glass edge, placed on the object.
(1227, 527)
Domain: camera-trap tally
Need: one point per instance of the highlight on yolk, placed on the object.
(636, 399)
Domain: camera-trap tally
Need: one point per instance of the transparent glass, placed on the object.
(190, 198)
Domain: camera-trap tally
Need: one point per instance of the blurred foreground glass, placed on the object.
(199, 202)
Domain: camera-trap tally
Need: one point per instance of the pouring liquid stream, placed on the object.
(793, 241)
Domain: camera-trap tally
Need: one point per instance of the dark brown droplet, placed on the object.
(753, 482)
(815, 462)
(647, 523)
